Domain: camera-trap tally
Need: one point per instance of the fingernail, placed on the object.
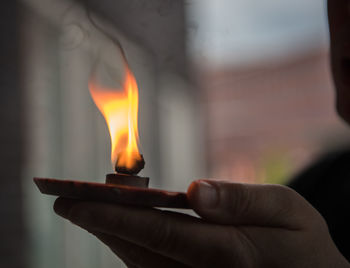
(62, 206)
(208, 195)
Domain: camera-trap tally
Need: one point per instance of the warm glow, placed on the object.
(120, 108)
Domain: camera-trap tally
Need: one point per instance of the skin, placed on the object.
(239, 225)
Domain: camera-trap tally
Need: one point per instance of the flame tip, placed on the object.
(120, 110)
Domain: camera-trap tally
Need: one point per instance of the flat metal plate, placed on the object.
(119, 194)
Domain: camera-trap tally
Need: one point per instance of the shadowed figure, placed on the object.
(326, 185)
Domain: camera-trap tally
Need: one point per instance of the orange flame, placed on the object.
(120, 110)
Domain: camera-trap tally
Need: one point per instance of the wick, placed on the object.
(135, 169)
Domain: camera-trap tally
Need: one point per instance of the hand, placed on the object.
(241, 225)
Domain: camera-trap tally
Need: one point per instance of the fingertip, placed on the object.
(203, 195)
(62, 206)
(193, 192)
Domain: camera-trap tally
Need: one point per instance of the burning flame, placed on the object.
(120, 110)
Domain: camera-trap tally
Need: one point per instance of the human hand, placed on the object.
(241, 225)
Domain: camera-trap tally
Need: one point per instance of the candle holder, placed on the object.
(121, 189)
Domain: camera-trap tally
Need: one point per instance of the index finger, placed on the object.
(174, 235)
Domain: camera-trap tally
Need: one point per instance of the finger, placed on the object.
(135, 256)
(226, 202)
(180, 237)
(129, 265)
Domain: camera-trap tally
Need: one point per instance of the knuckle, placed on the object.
(291, 200)
(287, 203)
(287, 197)
(294, 207)
(321, 223)
(287, 191)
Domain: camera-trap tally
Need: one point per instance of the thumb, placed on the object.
(226, 202)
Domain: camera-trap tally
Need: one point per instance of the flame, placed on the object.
(120, 110)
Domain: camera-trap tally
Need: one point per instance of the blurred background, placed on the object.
(233, 89)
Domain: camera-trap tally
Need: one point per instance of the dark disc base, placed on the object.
(128, 180)
(119, 194)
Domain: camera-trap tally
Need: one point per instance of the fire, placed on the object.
(120, 110)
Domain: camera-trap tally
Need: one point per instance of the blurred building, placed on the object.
(266, 121)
